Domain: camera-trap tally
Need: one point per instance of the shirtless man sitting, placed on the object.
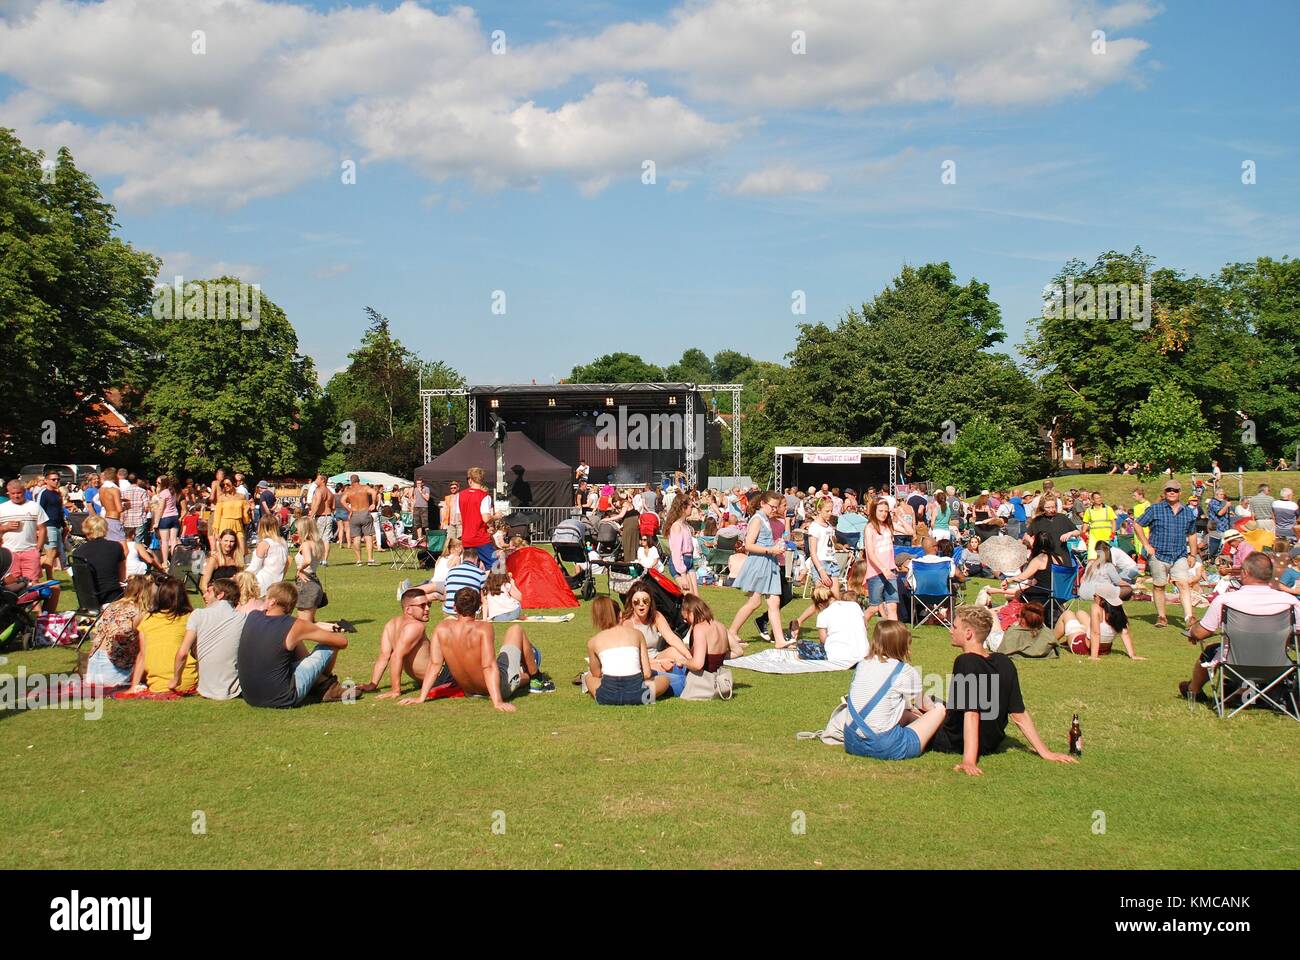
(403, 647)
(360, 501)
(463, 650)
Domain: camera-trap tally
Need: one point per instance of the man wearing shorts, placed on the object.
(420, 509)
(403, 646)
(22, 521)
(475, 504)
(360, 502)
(275, 668)
(463, 650)
(54, 556)
(110, 505)
(322, 514)
(1168, 531)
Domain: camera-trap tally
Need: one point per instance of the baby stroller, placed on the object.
(20, 608)
(667, 597)
(609, 541)
(569, 544)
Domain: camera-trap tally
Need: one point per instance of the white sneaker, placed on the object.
(402, 588)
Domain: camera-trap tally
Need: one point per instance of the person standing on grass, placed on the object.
(359, 500)
(463, 650)
(983, 694)
(321, 512)
(110, 505)
(1168, 532)
(760, 576)
(22, 522)
(403, 646)
(878, 553)
(420, 509)
(50, 499)
(475, 507)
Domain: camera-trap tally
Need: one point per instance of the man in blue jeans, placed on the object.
(275, 668)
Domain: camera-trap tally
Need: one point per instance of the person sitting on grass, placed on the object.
(1256, 596)
(403, 646)
(841, 625)
(463, 650)
(1108, 620)
(620, 674)
(708, 646)
(641, 614)
(502, 600)
(212, 641)
(250, 593)
(115, 644)
(1029, 637)
(275, 668)
(162, 631)
(983, 693)
(882, 722)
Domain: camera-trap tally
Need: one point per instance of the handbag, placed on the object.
(702, 685)
(811, 650)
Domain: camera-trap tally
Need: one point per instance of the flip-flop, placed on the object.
(1162, 623)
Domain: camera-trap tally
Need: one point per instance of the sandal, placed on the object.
(1162, 621)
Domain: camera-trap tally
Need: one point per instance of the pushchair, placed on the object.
(667, 597)
(609, 542)
(569, 544)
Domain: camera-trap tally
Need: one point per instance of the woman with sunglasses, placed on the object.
(224, 561)
(641, 615)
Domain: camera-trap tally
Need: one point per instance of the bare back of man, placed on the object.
(360, 501)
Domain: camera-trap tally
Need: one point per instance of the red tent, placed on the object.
(540, 579)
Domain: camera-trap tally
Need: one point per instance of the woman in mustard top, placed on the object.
(161, 630)
(231, 513)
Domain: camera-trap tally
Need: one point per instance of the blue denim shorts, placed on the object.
(900, 743)
(622, 691)
(688, 562)
(882, 590)
(309, 670)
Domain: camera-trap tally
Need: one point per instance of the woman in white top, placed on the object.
(647, 555)
(882, 720)
(139, 559)
(271, 556)
(821, 546)
(501, 598)
(841, 626)
(620, 674)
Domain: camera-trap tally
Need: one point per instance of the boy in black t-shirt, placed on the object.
(983, 694)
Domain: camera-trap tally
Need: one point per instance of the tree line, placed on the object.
(1209, 369)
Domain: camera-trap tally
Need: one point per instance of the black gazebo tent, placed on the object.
(534, 478)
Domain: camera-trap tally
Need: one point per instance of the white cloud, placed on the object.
(331, 271)
(281, 84)
(780, 180)
(181, 263)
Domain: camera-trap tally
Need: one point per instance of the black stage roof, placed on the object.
(554, 389)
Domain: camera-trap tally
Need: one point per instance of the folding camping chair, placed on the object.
(405, 552)
(1065, 590)
(1260, 665)
(718, 557)
(932, 590)
(435, 542)
(186, 565)
(88, 605)
(842, 559)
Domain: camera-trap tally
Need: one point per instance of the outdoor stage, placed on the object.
(633, 432)
(856, 467)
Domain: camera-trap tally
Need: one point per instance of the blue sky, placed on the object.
(774, 173)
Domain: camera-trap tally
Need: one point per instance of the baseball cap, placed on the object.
(263, 485)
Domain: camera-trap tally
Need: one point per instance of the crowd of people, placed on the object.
(862, 555)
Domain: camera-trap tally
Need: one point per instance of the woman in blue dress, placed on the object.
(760, 577)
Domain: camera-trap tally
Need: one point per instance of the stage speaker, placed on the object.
(448, 436)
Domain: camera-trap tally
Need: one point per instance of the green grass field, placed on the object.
(568, 784)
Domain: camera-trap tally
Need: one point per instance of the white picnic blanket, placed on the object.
(785, 661)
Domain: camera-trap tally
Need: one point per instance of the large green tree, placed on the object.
(911, 368)
(617, 368)
(74, 302)
(227, 392)
(376, 401)
(1168, 430)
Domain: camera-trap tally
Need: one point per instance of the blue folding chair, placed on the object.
(1064, 590)
(932, 590)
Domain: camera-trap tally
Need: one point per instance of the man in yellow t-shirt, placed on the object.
(1099, 522)
(1140, 506)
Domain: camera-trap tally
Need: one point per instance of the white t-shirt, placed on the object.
(1122, 561)
(29, 514)
(846, 631)
(648, 557)
(825, 540)
(440, 570)
(867, 679)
